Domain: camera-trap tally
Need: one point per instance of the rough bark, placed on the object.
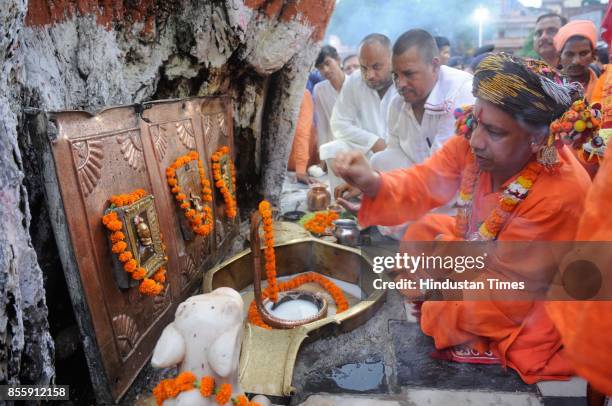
(26, 347)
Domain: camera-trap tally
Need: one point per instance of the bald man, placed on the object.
(359, 117)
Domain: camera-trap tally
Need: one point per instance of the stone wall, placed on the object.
(78, 54)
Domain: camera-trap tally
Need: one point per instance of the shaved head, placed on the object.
(376, 39)
(422, 40)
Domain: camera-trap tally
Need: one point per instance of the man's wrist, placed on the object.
(374, 185)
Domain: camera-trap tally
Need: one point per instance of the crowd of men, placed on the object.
(384, 128)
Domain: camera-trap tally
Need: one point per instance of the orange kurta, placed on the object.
(304, 148)
(590, 88)
(520, 332)
(586, 327)
(597, 89)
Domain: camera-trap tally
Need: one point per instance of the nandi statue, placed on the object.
(205, 339)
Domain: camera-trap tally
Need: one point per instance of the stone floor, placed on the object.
(386, 361)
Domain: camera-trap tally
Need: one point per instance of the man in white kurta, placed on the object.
(359, 117)
(411, 142)
(421, 115)
(326, 92)
(325, 98)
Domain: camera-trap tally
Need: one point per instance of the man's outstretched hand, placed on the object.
(353, 167)
(346, 195)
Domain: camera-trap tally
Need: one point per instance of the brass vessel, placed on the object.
(318, 197)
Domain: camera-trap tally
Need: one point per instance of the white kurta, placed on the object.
(411, 143)
(419, 141)
(359, 117)
(324, 99)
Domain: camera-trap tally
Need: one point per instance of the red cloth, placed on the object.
(606, 25)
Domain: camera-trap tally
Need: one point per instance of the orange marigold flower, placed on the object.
(149, 287)
(119, 247)
(114, 225)
(107, 218)
(125, 256)
(117, 236)
(224, 394)
(207, 386)
(165, 390)
(241, 400)
(160, 275)
(185, 381)
(130, 266)
(139, 273)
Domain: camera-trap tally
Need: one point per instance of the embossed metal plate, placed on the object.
(117, 151)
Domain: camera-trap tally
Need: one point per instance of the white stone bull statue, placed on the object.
(205, 339)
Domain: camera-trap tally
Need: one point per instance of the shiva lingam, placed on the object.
(312, 304)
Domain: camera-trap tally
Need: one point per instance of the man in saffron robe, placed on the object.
(304, 148)
(505, 160)
(585, 326)
(576, 43)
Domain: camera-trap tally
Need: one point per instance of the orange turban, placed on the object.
(583, 28)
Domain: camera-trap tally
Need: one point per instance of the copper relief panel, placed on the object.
(115, 152)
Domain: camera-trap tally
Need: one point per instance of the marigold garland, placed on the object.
(207, 386)
(321, 221)
(578, 125)
(510, 198)
(186, 381)
(224, 394)
(200, 224)
(149, 287)
(230, 200)
(265, 211)
(310, 277)
(273, 288)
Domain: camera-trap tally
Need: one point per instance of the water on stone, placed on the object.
(293, 310)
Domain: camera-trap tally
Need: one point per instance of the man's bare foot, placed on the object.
(303, 178)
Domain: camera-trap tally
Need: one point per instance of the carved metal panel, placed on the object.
(117, 151)
(217, 133)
